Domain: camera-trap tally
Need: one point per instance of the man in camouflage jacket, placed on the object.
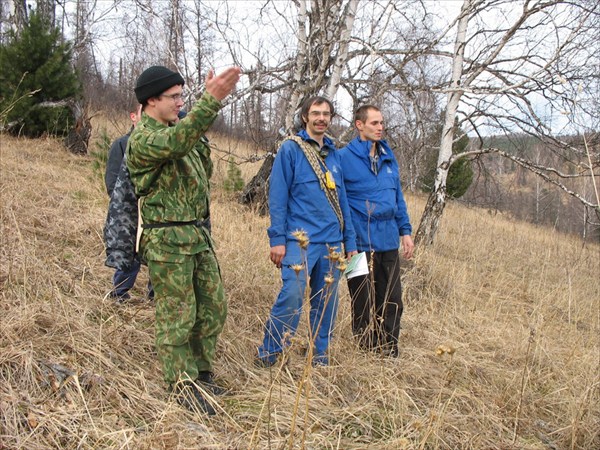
(170, 167)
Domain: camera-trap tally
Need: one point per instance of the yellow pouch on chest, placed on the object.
(330, 182)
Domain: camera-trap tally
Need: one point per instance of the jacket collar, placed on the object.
(362, 148)
(153, 123)
(327, 143)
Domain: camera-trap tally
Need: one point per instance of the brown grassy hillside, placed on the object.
(500, 340)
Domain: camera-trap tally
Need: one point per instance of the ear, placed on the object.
(359, 125)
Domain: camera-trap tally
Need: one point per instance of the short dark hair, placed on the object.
(362, 112)
(316, 100)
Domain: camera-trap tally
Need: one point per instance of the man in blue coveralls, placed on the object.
(307, 199)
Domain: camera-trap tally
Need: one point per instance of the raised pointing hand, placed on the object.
(220, 86)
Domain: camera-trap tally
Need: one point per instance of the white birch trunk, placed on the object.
(301, 64)
(342, 56)
(437, 199)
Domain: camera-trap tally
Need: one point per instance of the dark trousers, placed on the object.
(123, 281)
(377, 302)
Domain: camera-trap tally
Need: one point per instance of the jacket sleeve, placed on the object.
(279, 191)
(203, 148)
(402, 218)
(120, 228)
(153, 148)
(349, 232)
(115, 156)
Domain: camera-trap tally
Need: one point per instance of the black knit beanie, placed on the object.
(154, 81)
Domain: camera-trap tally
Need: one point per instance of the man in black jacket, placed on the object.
(123, 279)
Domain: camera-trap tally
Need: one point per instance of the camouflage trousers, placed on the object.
(190, 313)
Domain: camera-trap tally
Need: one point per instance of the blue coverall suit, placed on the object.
(297, 202)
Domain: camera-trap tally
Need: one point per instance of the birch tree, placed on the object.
(511, 74)
(498, 67)
(437, 199)
(322, 31)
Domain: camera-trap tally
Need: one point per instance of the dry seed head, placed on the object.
(302, 238)
(287, 337)
(329, 279)
(404, 443)
(297, 268)
(334, 255)
(445, 349)
(342, 263)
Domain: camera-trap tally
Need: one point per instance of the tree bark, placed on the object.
(256, 192)
(79, 136)
(430, 220)
(342, 55)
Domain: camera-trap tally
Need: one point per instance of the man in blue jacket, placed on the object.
(307, 202)
(380, 218)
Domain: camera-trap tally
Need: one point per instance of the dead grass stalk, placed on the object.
(77, 371)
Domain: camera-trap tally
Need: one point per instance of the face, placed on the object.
(166, 106)
(318, 120)
(372, 128)
(136, 115)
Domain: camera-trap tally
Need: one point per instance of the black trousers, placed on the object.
(377, 302)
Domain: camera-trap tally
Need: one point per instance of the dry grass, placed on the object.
(500, 344)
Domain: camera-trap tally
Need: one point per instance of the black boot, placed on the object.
(190, 397)
(205, 381)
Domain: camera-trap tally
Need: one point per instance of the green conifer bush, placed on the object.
(37, 80)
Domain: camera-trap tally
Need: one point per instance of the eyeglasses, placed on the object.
(174, 97)
(319, 114)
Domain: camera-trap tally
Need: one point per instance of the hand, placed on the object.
(349, 255)
(408, 246)
(277, 254)
(220, 86)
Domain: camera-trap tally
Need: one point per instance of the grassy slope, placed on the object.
(516, 306)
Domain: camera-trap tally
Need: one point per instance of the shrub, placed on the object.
(37, 90)
(233, 181)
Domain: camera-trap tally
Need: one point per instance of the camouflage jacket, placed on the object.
(120, 227)
(170, 169)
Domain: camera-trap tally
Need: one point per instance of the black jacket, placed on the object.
(115, 156)
(120, 229)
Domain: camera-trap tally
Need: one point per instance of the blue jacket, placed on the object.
(297, 202)
(376, 201)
